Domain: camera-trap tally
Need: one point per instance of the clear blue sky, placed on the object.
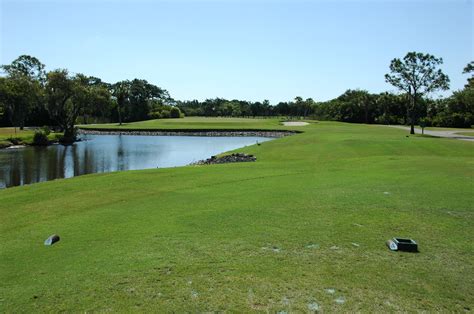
(250, 50)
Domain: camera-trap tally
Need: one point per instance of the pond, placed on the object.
(106, 153)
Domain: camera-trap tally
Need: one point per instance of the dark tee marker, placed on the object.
(400, 244)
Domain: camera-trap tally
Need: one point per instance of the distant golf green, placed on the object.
(301, 229)
(196, 123)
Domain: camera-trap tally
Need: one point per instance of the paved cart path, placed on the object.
(448, 134)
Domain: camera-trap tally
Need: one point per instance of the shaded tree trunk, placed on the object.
(69, 133)
(413, 114)
(120, 114)
(69, 136)
(411, 110)
(411, 117)
(366, 113)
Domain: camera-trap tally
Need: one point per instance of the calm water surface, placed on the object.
(105, 153)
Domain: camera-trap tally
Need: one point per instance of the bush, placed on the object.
(46, 130)
(175, 112)
(155, 115)
(165, 112)
(460, 120)
(387, 119)
(453, 120)
(16, 140)
(40, 138)
(424, 122)
(4, 144)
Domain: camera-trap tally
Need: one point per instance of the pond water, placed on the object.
(105, 153)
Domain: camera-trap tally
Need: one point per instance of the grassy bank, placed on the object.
(301, 228)
(11, 136)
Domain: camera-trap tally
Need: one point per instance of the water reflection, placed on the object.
(107, 153)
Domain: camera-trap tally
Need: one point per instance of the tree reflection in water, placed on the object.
(107, 153)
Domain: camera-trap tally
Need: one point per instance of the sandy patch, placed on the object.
(294, 123)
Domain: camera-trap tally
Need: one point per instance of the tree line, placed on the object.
(416, 76)
(356, 106)
(31, 96)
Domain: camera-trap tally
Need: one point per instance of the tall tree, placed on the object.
(297, 106)
(417, 75)
(469, 69)
(16, 96)
(391, 108)
(92, 96)
(308, 107)
(22, 88)
(60, 89)
(27, 66)
(121, 93)
(357, 106)
(141, 94)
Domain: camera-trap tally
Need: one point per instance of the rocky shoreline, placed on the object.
(236, 157)
(257, 133)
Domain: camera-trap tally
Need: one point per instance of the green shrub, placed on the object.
(155, 115)
(4, 144)
(165, 112)
(16, 140)
(175, 112)
(46, 130)
(161, 114)
(453, 120)
(40, 138)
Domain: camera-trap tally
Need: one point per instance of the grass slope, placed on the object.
(311, 214)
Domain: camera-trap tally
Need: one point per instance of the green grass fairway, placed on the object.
(312, 214)
(197, 123)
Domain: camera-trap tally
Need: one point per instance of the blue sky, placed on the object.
(250, 50)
